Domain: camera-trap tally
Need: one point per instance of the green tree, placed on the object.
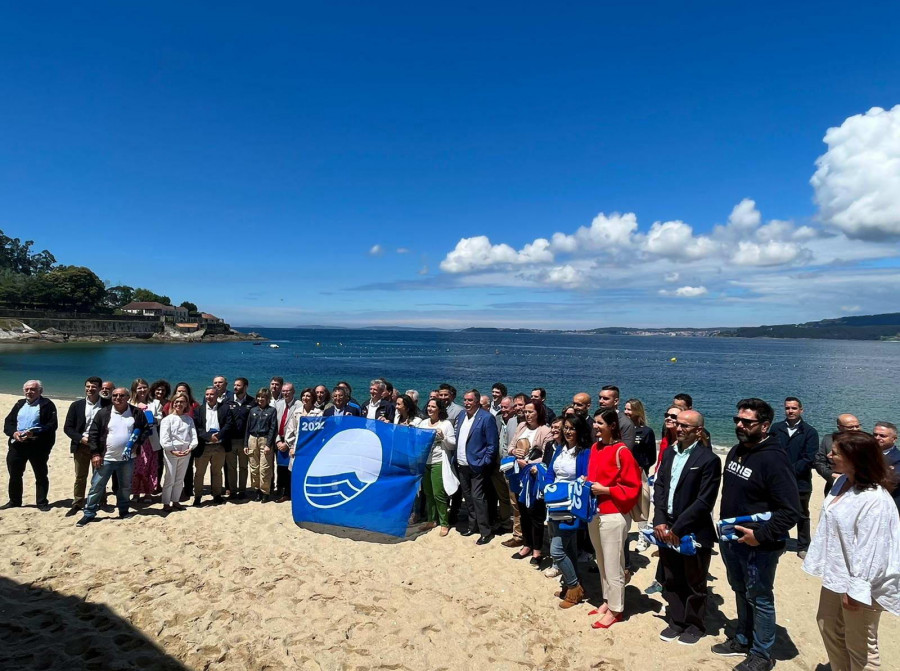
(147, 296)
(191, 307)
(17, 257)
(71, 288)
(119, 295)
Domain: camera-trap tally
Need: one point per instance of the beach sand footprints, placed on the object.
(42, 629)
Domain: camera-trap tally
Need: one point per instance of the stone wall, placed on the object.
(89, 325)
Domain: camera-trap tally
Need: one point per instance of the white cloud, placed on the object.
(684, 292)
(744, 216)
(376, 250)
(857, 181)
(675, 240)
(772, 253)
(402, 250)
(614, 231)
(475, 254)
(566, 277)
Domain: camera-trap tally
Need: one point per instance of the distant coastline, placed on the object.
(884, 327)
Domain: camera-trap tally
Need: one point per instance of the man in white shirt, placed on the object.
(213, 422)
(115, 433)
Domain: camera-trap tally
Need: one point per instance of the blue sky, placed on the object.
(292, 163)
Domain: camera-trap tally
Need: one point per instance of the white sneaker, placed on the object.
(642, 544)
(552, 572)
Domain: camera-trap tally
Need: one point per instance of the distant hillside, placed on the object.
(862, 327)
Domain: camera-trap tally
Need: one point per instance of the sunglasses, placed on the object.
(671, 416)
(745, 422)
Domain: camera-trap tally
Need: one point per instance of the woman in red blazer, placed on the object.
(616, 482)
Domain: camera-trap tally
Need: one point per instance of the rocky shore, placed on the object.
(14, 331)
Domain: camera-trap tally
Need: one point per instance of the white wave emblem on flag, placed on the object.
(345, 466)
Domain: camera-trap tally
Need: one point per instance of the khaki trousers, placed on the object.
(213, 457)
(608, 535)
(236, 467)
(260, 463)
(82, 459)
(850, 636)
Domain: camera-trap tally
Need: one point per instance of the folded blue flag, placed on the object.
(688, 545)
(726, 526)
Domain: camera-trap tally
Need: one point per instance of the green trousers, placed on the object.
(436, 501)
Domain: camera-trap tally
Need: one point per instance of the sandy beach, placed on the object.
(240, 586)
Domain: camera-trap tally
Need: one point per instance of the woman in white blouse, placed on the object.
(405, 411)
(856, 552)
(177, 437)
(436, 499)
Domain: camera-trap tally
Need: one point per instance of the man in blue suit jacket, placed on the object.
(477, 441)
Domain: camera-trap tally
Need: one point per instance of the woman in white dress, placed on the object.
(856, 552)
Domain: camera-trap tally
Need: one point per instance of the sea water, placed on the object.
(829, 376)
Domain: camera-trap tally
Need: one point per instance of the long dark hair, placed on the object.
(862, 451)
(582, 431)
(412, 410)
(611, 417)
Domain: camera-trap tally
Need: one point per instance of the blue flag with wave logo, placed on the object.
(357, 472)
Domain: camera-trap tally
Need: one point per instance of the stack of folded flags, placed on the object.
(566, 500)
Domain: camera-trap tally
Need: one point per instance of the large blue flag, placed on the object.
(358, 472)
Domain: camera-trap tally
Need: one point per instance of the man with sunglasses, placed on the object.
(758, 478)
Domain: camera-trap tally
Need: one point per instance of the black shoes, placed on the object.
(83, 521)
(484, 540)
(218, 500)
(74, 510)
(755, 663)
(670, 633)
(467, 532)
(731, 648)
(197, 503)
(43, 507)
(10, 504)
(690, 637)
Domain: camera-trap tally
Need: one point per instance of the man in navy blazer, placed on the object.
(684, 495)
(800, 441)
(78, 421)
(213, 423)
(477, 441)
(340, 404)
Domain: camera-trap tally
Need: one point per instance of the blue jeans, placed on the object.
(751, 575)
(564, 551)
(124, 470)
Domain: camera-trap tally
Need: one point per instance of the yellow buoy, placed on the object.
(673, 359)
(318, 344)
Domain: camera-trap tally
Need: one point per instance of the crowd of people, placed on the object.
(151, 440)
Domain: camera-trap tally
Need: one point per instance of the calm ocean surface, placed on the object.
(829, 376)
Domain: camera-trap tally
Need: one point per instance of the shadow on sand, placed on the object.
(42, 629)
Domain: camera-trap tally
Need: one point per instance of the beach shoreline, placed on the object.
(240, 586)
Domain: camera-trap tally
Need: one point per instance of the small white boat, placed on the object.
(274, 346)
